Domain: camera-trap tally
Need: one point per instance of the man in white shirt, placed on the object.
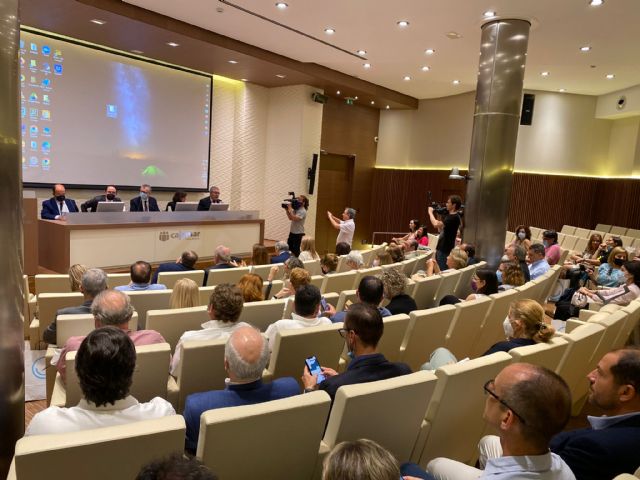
(105, 363)
(346, 226)
(225, 307)
(306, 310)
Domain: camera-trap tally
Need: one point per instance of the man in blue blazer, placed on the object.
(144, 202)
(246, 355)
(53, 208)
(185, 263)
(282, 252)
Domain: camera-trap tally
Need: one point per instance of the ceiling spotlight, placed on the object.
(329, 31)
(173, 44)
(98, 21)
(338, 92)
(366, 65)
(387, 107)
(355, 98)
(281, 5)
(610, 76)
(586, 48)
(489, 14)
(456, 82)
(280, 75)
(362, 53)
(406, 78)
(429, 51)
(403, 23)
(596, 3)
(425, 68)
(244, 79)
(562, 90)
(453, 35)
(137, 52)
(372, 102)
(545, 74)
(233, 61)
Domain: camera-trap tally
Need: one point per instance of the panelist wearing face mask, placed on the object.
(56, 207)
(144, 202)
(109, 196)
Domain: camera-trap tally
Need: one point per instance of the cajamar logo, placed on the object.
(180, 235)
(164, 236)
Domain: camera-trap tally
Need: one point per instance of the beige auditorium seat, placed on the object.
(317, 281)
(337, 282)
(226, 275)
(149, 377)
(581, 245)
(633, 232)
(568, 230)
(277, 439)
(396, 430)
(313, 267)
(427, 331)
(368, 256)
(100, 454)
(293, 346)
(547, 355)
(627, 241)
(536, 232)
(263, 271)
(346, 296)
(433, 240)
(408, 266)
(373, 271)
(422, 262)
(492, 330)
(48, 305)
(29, 306)
(569, 242)
(632, 325)
(172, 323)
(463, 289)
(582, 232)
(149, 300)
(561, 238)
(601, 227)
(47, 283)
(450, 279)
(552, 283)
(262, 314)
(453, 424)
(205, 294)
(395, 331)
(615, 230)
(425, 291)
(627, 476)
(465, 326)
(509, 237)
(118, 279)
(169, 279)
(191, 377)
(81, 325)
(342, 264)
(276, 286)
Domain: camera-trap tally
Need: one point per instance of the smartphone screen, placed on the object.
(314, 368)
(324, 305)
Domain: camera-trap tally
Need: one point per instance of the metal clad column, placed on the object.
(11, 326)
(495, 131)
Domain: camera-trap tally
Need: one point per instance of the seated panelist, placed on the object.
(214, 197)
(144, 202)
(58, 205)
(109, 196)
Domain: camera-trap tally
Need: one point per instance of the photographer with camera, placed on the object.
(447, 227)
(296, 210)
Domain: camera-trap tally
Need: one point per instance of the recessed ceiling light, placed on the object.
(489, 14)
(281, 5)
(403, 23)
(596, 3)
(329, 31)
(355, 98)
(372, 102)
(173, 44)
(233, 61)
(425, 68)
(456, 82)
(586, 48)
(610, 76)
(366, 65)
(244, 79)
(562, 90)
(545, 74)
(280, 75)
(429, 51)
(137, 52)
(406, 78)
(453, 35)
(338, 92)
(387, 107)
(97, 21)
(362, 53)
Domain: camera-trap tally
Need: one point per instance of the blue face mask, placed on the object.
(144, 196)
(499, 275)
(351, 355)
(546, 244)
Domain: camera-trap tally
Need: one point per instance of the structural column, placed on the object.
(11, 322)
(503, 53)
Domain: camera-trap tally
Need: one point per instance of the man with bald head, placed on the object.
(222, 259)
(246, 355)
(56, 207)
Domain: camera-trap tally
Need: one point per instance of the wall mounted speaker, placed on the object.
(526, 117)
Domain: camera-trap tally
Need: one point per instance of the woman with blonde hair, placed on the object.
(185, 294)
(251, 286)
(609, 273)
(76, 272)
(512, 277)
(297, 278)
(456, 260)
(308, 250)
(260, 255)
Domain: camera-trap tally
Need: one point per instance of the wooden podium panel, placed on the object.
(112, 240)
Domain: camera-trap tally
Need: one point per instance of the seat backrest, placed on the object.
(262, 314)
(463, 289)
(92, 453)
(149, 300)
(450, 279)
(345, 296)
(568, 230)
(218, 276)
(601, 227)
(313, 267)
(569, 242)
(46, 283)
(582, 232)
(433, 240)
(205, 294)
(118, 279)
(373, 271)
(457, 405)
(535, 232)
(547, 355)
(279, 439)
(395, 330)
(173, 322)
(581, 244)
(263, 271)
(492, 330)
(397, 429)
(427, 331)
(149, 377)
(293, 346)
(465, 326)
(169, 279)
(368, 256)
(633, 232)
(80, 325)
(342, 264)
(633, 309)
(615, 230)
(337, 282)
(50, 303)
(192, 377)
(317, 281)
(425, 290)
(421, 262)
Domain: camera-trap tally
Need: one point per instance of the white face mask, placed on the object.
(522, 235)
(508, 328)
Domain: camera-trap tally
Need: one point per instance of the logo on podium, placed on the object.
(164, 236)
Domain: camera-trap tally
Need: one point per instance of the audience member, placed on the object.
(394, 283)
(363, 328)
(282, 252)
(589, 255)
(512, 276)
(222, 260)
(308, 250)
(251, 286)
(104, 364)
(610, 273)
(185, 294)
(413, 226)
(360, 460)
(552, 250)
(186, 263)
(297, 278)
(470, 250)
(110, 308)
(214, 197)
(178, 197)
(176, 467)
(329, 263)
(93, 282)
(246, 355)
(76, 271)
(346, 226)
(354, 260)
(523, 237)
(456, 260)
(483, 283)
(422, 238)
(383, 257)
(59, 205)
(370, 291)
(518, 255)
(605, 248)
(225, 307)
(538, 264)
(396, 253)
(260, 255)
(144, 202)
(140, 279)
(342, 248)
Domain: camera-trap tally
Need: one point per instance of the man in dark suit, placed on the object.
(94, 281)
(282, 252)
(109, 196)
(185, 263)
(56, 207)
(214, 197)
(246, 355)
(144, 202)
(362, 331)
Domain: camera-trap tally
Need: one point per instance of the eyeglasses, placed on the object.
(494, 395)
(343, 332)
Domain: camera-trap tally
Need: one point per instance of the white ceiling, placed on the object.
(560, 28)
